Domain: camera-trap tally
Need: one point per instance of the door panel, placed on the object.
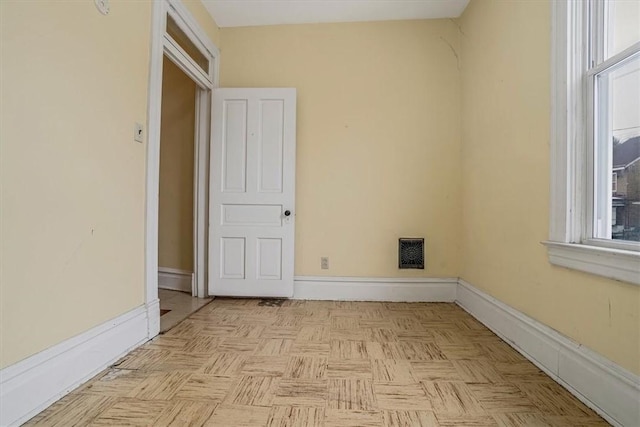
(232, 257)
(271, 146)
(252, 215)
(234, 145)
(252, 192)
(269, 259)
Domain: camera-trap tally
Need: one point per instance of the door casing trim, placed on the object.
(161, 45)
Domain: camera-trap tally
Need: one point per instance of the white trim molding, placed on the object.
(571, 204)
(568, 120)
(375, 289)
(175, 280)
(188, 23)
(614, 264)
(31, 385)
(604, 386)
(153, 318)
(161, 45)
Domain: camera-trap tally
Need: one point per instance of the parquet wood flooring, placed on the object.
(237, 362)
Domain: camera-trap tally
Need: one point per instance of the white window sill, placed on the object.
(617, 264)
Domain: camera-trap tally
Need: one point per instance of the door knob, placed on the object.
(287, 213)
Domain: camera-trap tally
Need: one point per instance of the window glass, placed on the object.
(622, 26)
(183, 41)
(617, 151)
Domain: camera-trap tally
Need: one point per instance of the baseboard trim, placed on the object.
(153, 318)
(610, 390)
(175, 280)
(31, 385)
(375, 289)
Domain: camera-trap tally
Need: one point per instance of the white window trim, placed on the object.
(614, 182)
(569, 194)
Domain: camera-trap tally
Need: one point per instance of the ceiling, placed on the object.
(242, 13)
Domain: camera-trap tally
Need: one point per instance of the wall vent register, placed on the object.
(411, 253)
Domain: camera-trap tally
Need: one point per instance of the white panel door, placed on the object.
(251, 211)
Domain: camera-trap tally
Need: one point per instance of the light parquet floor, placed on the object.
(317, 363)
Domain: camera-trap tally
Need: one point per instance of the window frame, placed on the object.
(614, 182)
(572, 192)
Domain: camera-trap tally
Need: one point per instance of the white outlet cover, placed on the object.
(103, 6)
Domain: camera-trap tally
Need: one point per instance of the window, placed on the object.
(613, 118)
(176, 33)
(595, 193)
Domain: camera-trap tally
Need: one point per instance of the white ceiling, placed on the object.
(242, 13)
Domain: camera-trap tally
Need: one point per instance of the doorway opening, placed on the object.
(177, 234)
(184, 68)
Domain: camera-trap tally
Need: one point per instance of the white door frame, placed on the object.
(162, 44)
(201, 191)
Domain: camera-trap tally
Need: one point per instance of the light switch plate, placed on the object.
(138, 132)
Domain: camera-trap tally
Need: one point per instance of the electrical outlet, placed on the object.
(324, 263)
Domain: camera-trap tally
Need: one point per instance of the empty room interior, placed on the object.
(320, 213)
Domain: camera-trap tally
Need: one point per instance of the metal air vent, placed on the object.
(411, 253)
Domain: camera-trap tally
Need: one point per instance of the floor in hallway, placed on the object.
(175, 306)
(311, 363)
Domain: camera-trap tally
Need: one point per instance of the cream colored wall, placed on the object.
(505, 160)
(378, 158)
(202, 16)
(73, 179)
(73, 84)
(175, 225)
(378, 139)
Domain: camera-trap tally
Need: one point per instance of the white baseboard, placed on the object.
(153, 318)
(31, 385)
(175, 280)
(375, 289)
(604, 386)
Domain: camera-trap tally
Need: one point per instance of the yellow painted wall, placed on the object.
(505, 163)
(73, 179)
(378, 139)
(73, 84)
(379, 157)
(202, 16)
(175, 222)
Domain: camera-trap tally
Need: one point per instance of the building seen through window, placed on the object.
(617, 124)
